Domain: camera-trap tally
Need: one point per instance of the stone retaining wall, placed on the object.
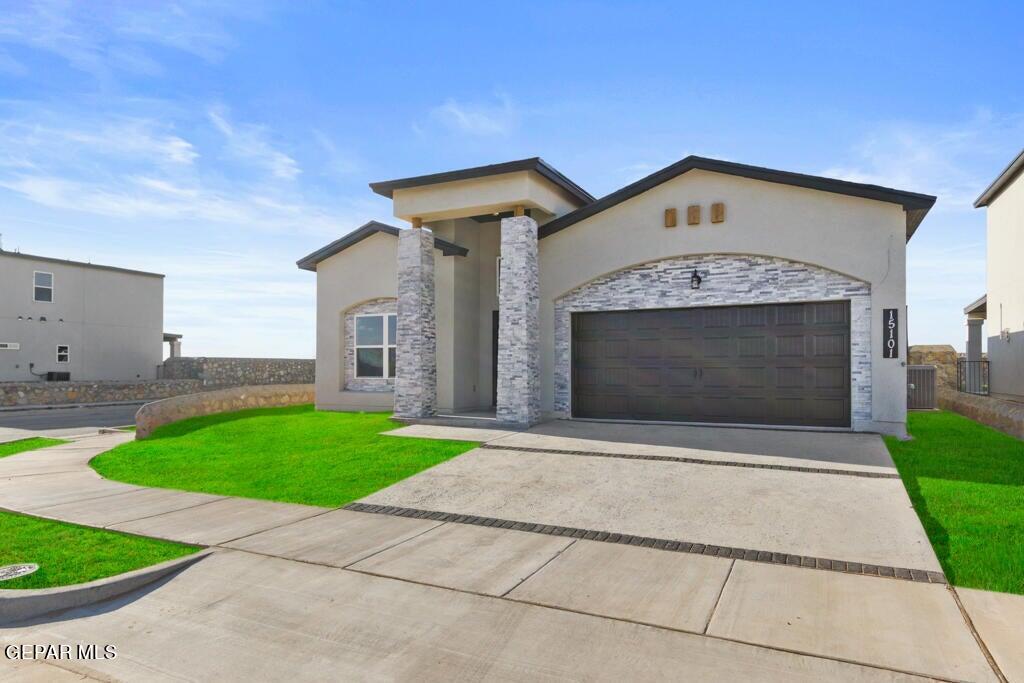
(14, 394)
(1006, 416)
(229, 372)
(942, 356)
(153, 415)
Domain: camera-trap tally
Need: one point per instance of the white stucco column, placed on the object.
(519, 323)
(416, 371)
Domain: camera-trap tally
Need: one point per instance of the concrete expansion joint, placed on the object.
(727, 552)
(695, 461)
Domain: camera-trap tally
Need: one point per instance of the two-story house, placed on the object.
(79, 321)
(1002, 305)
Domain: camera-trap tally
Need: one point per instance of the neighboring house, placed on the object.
(707, 292)
(91, 322)
(1002, 306)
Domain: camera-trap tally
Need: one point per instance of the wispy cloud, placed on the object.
(953, 161)
(105, 39)
(249, 143)
(478, 118)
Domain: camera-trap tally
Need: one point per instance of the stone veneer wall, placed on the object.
(942, 356)
(731, 280)
(349, 381)
(519, 326)
(416, 381)
(153, 415)
(13, 394)
(226, 372)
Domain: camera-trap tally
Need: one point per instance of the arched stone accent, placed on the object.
(732, 279)
(349, 380)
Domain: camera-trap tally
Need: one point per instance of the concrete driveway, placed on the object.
(835, 496)
(378, 592)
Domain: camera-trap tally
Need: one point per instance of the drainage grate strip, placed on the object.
(750, 555)
(695, 461)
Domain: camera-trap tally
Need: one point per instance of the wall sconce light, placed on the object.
(695, 280)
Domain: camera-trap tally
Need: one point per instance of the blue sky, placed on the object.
(218, 142)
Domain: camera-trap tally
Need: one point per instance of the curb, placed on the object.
(21, 604)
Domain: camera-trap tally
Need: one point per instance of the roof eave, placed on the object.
(1009, 174)
(310, 261)
(916, 205)
(386, 188)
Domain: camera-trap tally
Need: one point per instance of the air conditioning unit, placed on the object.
(9, 346)
(58, 376)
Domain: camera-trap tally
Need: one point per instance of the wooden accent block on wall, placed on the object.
(693, 214)
(718, 212)
(670, 218)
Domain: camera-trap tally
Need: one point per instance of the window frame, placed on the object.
(66, 354)
(386, 345)
(52, 287)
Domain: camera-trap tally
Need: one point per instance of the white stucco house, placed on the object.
(1002, 305)
(707, 292)
(71, 320)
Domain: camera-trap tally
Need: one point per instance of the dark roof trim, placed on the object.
(916, 205)
(83, 264)
(360, 234)
(536, 164)
(1008, 175)
(979, 305)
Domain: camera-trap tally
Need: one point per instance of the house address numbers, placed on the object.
(890, 333)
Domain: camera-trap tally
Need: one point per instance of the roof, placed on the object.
(361, 233)
(536, 164)
(171, 336)
(83, 264)
(1008, 175)
(916, 205)
(979, 305)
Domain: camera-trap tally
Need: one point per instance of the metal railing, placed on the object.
(921, 387)
(972, 376)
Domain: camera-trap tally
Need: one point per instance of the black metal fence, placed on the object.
(921, 387)
(972, 376)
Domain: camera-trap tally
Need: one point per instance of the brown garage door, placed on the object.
(781, 364)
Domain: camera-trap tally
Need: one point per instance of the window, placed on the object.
(42, 286)
(63, 353)
(375, 345)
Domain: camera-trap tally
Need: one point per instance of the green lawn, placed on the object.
(967, 484)
(12, 447)
(295, 455)
(68, 554)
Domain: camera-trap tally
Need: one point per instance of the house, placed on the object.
(79, 321)
(707, 292)
(1002, 305)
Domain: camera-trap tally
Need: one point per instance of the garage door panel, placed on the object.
(645, 377)
(785, 364)
(790, 377)
(681, 377)
(752, 347)
(830, 313)
(645, 348)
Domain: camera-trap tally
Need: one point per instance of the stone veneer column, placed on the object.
(416, 373)
(518, 323)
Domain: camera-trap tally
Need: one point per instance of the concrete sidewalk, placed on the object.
(310, 593)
